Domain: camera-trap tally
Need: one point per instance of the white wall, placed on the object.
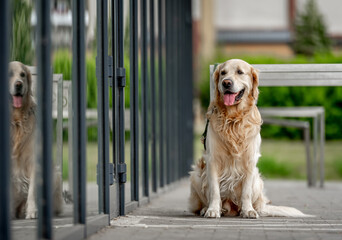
(249, 14)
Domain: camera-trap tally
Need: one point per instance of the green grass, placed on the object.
(291, 155)
(92, 159)
(273, 169)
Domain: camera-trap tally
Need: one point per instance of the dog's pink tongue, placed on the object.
(17, 101)
(229, 99)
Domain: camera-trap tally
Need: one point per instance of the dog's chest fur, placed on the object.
(233, 139)
(22, 131)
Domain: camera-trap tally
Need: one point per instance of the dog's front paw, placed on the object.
(31, 213)
(250, 213)
(212, 213)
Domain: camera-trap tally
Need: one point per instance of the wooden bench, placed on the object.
(317, 113)
(295, 75)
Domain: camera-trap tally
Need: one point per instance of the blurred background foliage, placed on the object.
(310, 32)
(21, 43)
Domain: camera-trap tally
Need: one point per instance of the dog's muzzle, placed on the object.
(231, 98)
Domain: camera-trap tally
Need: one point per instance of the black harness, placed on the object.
(204, 135)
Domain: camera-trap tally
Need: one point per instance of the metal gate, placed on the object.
(161, 116)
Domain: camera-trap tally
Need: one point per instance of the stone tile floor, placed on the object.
(166, 217)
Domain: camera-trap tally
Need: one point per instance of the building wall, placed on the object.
(251, 15)
(271, 14)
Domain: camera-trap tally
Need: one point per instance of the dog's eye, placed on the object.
(223, 72)
(239, 72)
(22, 74)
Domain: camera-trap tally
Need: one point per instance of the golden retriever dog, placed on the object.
(23, 125)
(226, 180)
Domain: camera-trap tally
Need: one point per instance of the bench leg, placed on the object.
(315, 158)
(70, 161)
(322, 143)
(309, 168)
(60, 128)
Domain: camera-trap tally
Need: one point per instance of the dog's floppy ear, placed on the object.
(214, 81)
(29, 79)
(255, 83)
(216, 73)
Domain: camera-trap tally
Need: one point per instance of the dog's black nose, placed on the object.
(18, 86)
(227, 83)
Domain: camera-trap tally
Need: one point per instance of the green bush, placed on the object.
(21, 39)
(310, 34)
(328, 97)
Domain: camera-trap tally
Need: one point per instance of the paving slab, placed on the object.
(167, 217)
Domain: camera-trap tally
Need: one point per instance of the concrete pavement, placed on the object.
(167, 217)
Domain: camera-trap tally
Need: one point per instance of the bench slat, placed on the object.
(295, 75)
(298, 67)
(300, 83)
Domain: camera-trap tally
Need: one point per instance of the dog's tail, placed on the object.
(282, 211)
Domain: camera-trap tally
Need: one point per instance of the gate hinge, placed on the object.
(121, 76)
(111, 174)
(122, 169)
(109, 72)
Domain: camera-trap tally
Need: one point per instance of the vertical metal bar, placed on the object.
(134, 100)
(190, 85)
(185, 91)
(79, 105)
(169, 79)
(153, 98)
(182, 86)
(121, 82)
(175, 92)
(44, 120)
(115, 88)
(188, 70)
(103, 106)
(144, 94)
(172, 104)
(179, 91)
(171, 93)
(161, 93)
(5, 224)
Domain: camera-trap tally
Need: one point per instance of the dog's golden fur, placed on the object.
(23, 126)
(226, 180)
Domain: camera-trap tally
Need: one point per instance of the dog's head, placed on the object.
(236, 82)
(19, 84)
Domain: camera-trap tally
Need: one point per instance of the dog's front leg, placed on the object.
(247, 210)
(214, 209)
(31, 208)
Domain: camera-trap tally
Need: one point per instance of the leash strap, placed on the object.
(204, 135)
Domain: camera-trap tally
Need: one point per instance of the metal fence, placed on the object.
(161, 116)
